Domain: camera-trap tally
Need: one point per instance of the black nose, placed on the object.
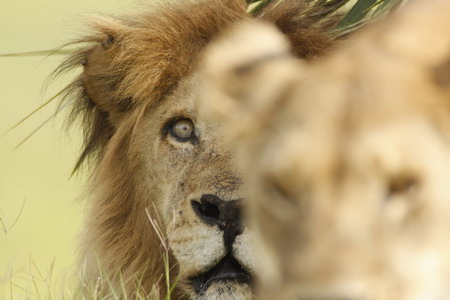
(225, 214)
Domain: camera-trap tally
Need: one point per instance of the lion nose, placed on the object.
(225, 214)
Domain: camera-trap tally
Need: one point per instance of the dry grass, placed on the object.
(36, 282)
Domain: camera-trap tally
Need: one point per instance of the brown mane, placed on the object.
(130, 64)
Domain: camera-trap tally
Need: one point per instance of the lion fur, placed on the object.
(130, 64)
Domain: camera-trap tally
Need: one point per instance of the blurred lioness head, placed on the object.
(348, 158)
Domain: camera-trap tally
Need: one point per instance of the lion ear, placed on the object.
(246, 71)
(102, 76)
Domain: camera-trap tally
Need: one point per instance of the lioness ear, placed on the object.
(246, 72)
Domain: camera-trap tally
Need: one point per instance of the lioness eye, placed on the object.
(182, 129)
(402, 186)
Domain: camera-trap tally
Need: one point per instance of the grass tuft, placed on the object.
(33, 283)
(167, 269)
(363, 12)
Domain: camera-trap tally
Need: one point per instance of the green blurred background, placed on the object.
(40, 206)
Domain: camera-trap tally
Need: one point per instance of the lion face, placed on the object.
(156, 158)
(347, 158)
(199, 197)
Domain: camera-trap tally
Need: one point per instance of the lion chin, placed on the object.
(226, 280)
(224, 290)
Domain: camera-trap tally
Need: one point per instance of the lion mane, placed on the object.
(130, 64)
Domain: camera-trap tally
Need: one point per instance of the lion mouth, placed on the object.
(228, 269)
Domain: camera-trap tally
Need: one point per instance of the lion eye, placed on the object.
(182, 129)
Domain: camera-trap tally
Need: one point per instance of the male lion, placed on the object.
(153, 157)
(348, 157)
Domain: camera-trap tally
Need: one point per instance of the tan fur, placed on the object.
(141, 72)
(347, 158)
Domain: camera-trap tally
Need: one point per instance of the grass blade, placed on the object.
(35, 111)
(32, 133)
(258, 7)
(6, 229)
(356, 14)
(386, 6)
(39, 53)
(39, 127)
(328, 7)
